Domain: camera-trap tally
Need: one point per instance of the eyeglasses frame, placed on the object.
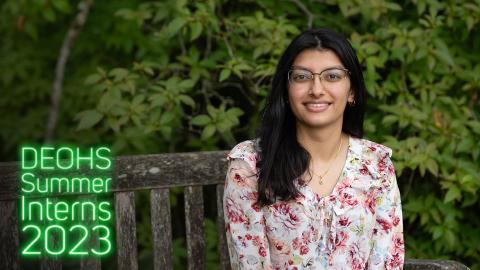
(319, 74)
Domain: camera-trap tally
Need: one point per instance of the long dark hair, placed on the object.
(281, 158)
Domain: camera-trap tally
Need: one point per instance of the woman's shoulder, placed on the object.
(368, 148)
(373, 157)
(245, 150)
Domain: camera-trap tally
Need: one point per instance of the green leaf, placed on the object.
(48, 14)
(31, 30)
(113, 123)
(443, 52)
(452, 194)
(371, 48)
(196, 30)
(166, 132)
(234, 112)
(432, 166)
(393, 6)
(175, 26)
(167, 117)
(450, 237)
(389, 119)
(93, 78)
(437, 232)
(62, 5)
(118, 73)
(200, 120)
(158, 100)
(186, 84)
(224, 125)
(225, 74)
(208, 131)
(107, 101)
(187, 100)
(137, 100)
(89, 119)
(212, 111)
(136, 120)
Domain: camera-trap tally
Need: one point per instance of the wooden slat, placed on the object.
(422, 264)
(9, 244)
(222, 241)
(51, 264)
(141, 172)
(126, 231)
(195, 233)
(161, 229)
(9, 183)
(90, 262)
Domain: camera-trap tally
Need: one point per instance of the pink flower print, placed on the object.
(242, 176)
(285, 215)
(256, 241)
(296, 243)
(252, 196)
(304, 250)
(381, 165)
(279, 246)
(262, 251)
(395, 261)
(346, 198)
(386, 226)
(356, 262)
(306, 237)
(341, 240)
(398, 244)
(255, 206)
(364, 170)
(369, 202)
(344, 221)
(343, 185)
(242, 241)
(385, 167)
(394, 217)
(235, 213)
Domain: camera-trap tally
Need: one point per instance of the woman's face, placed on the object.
(318, 103)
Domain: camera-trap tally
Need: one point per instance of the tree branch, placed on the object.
(306, 11)
(67, 45)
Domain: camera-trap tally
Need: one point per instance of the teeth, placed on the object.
(317, 104)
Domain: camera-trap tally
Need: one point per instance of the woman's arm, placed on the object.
(244, 222)
(388, 249)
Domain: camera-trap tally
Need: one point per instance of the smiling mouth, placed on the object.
(317, 107)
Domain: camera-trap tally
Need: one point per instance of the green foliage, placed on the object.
(150, 77)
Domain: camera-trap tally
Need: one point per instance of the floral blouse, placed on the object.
(357, 226)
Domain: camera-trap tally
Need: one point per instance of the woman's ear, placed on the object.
(351, 96)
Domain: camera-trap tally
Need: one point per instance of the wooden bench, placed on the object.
(156, 173)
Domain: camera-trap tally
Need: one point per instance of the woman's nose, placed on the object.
(317, 86)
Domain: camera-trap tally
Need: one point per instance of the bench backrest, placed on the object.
(156, 173)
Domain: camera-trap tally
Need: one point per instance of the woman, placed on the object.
(310, 193)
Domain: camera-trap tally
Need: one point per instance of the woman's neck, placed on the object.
(322, 144)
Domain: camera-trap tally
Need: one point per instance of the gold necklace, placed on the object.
(320, 180)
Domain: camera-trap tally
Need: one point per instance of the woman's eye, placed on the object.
(332, 77)
(300, 77)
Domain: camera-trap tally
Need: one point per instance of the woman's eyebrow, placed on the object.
(307, 69)
(300, 67)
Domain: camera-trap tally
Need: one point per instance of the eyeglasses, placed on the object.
(329, 75)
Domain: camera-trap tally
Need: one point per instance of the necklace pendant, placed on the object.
(320, 181)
